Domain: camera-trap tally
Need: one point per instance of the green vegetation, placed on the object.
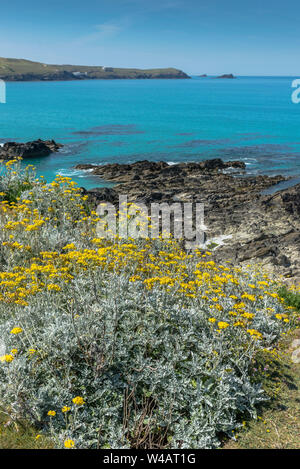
(125, 343)
(26, 70)
(278, 426)
(20, 435)
(291, 298)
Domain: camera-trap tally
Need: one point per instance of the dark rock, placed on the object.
(98, 195)
(35, 149)
(229, 75)
(259, 252)
(283, 261)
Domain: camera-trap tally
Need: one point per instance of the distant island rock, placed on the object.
(202, 76)
(229, 75)
(34, 149)
(26, 70)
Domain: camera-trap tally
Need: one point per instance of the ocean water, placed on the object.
(251, 119)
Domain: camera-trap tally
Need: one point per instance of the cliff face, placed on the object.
(26, 70)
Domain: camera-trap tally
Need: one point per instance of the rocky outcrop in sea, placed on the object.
(34, 149)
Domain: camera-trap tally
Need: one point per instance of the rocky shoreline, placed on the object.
(243, 225)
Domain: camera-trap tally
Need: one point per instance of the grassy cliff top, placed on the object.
(27, 70)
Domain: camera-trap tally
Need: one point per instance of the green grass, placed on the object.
(278, 426)
(291, 299)
(19, 435)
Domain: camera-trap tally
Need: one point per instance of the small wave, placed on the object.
(100, 163)
(250, 161)
(73, 148)
(68, 172)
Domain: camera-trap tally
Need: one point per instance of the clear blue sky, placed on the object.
(257, 37)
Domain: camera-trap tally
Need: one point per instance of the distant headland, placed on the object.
(26, 70)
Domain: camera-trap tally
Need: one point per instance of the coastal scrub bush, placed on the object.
(13, 180)
(125, 343)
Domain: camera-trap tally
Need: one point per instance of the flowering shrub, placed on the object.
(123, 343)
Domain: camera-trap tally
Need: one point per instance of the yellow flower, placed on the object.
(16, 330)
(249, 297)
(38, 436)
(248, 315)
(14, 351)
(78, 400)
(69, 444)
(254, 333)
(53, 287)
(238, 323)
(65, 409)
(69, 246)
(51, 413)
(222, 325)
(212, 320)
(7, 358)
(240, 305)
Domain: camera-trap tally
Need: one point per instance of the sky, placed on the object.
(257, 37)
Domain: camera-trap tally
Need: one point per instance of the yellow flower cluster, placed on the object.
(7, 358)
(69, 444)
(223, 325)
(254, 333)
(208, 284)
(65, 409)
(78, 400)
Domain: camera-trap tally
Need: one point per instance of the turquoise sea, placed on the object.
(250, 118)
